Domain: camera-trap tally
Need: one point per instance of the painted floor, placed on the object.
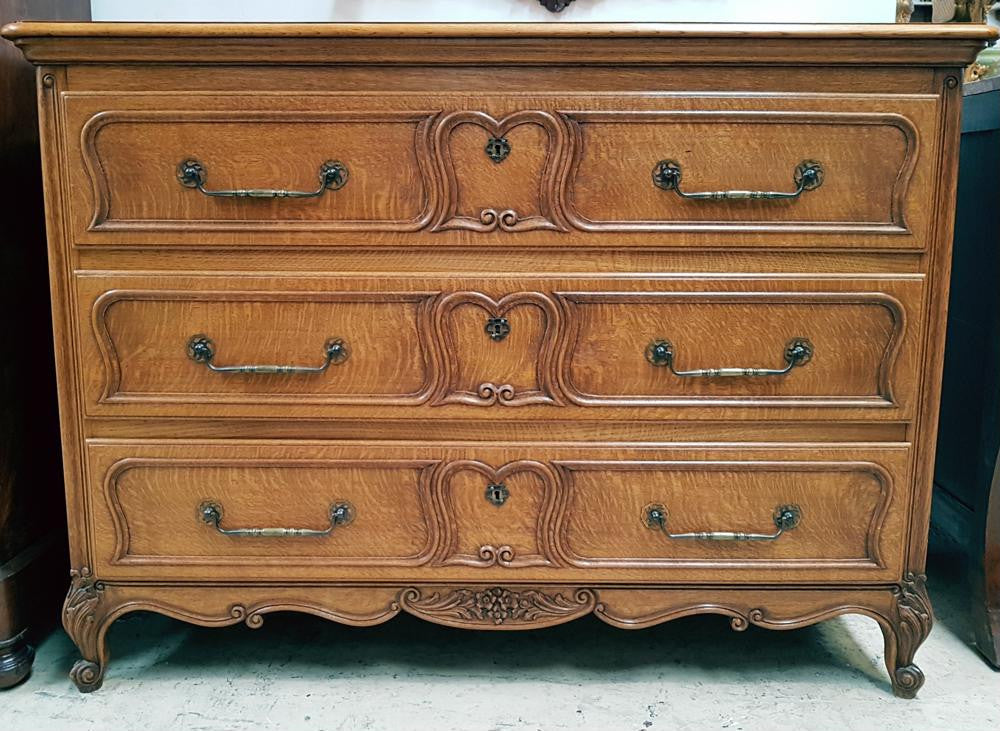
(301, 673)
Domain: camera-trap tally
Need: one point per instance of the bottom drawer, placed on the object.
(307, 511)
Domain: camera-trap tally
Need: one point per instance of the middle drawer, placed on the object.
(719, 347)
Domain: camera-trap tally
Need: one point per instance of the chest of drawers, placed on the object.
(472, 322)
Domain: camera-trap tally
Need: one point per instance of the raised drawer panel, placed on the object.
(351, 511)
(848, 342)
(834, 512)
(149, 341)
(566, 170)
(464, 512)
(865, 164)
(432, 348)
(133, 160)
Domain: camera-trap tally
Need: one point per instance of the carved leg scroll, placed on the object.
(910, 625)
(85, 624)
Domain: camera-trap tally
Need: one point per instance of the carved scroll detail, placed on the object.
(253, 616)
(497, 555)
(498, 606)
(913, 622)
(80, 618)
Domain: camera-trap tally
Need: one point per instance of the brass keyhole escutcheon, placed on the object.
(497, 493)
(497, 328)
(497, 149)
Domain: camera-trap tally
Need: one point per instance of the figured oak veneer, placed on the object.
(499, 263)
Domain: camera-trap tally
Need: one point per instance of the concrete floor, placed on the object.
(302, 673)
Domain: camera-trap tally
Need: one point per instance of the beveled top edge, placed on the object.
(886, 31)
(489, 44)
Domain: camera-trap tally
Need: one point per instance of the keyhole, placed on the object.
(497, 149)
(497, 328)
(497, 493)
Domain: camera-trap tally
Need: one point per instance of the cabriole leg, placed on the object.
(910, 624)
(84, 622)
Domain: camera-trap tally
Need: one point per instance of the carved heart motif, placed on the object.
(497, 554)
(506, 219)
(488, 393)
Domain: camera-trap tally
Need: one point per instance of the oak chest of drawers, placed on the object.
(499, 325)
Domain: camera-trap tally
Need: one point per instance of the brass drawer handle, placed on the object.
(332, 176)
(341, 513)
(799, 351)
(201, 349)
(808, 175)
(786, 518)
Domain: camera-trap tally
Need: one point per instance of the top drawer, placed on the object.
(453, 169)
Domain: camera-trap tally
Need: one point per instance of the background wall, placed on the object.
(800, 11)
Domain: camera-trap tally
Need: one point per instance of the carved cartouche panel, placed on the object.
(496, 516)
(501, 173)
(497, 351)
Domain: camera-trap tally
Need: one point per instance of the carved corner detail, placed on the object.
(911, 624)
(82, 624)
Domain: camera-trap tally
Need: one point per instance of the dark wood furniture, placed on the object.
(501, 362)
(967, 498)
(32, 532)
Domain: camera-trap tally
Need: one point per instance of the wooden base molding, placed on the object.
(903, 611)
